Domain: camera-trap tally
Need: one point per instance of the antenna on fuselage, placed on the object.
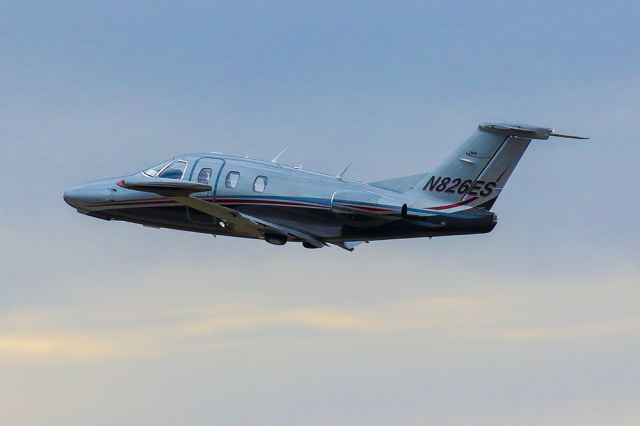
(341, 174)
(277, 157)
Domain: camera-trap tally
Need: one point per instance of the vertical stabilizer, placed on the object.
(477, 171)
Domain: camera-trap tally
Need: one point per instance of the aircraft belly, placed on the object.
(329, 226)
(320, 223)
(413, 229)
(172, 217)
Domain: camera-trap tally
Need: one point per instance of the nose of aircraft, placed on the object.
(80, 197)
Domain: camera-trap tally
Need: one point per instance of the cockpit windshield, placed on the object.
(153, 171)
(172, 169)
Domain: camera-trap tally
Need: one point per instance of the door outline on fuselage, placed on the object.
(221, 163)
(214, 187)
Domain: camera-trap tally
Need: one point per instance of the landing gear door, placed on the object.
(206, 171)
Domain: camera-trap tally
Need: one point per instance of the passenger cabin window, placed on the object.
(174, 170)
(204, 176)
(232, 179)
(260, 184)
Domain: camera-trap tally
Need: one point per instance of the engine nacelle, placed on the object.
(368, 204)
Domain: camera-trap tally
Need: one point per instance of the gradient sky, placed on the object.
(111, 323)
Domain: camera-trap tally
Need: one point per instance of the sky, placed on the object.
(111, 323)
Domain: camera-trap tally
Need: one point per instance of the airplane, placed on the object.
(233, 196)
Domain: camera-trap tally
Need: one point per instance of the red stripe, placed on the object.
(450, 206)
(131, 203)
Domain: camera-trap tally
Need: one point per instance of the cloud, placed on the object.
(69, 347)
(590, 331)
(119, 331)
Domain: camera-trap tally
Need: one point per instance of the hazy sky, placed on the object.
(111, 323)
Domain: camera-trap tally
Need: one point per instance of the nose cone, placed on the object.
(78, 196)
(84, 196)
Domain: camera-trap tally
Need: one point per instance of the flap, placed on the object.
(243, 223)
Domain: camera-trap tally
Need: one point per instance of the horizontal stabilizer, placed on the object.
(523, 131)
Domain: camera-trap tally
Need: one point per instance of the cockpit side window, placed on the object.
(174, 170)
(153, 171)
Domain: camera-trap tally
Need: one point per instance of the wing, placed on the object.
(180, 191)
(163, 186)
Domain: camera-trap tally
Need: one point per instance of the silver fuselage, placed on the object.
(292, 197)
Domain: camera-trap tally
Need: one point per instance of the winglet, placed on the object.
(277, 157)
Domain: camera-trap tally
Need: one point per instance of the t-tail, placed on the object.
(475, 174)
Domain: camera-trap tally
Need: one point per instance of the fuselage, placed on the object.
(332, 209)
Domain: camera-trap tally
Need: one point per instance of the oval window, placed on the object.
(232, 179)
(260, 184)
